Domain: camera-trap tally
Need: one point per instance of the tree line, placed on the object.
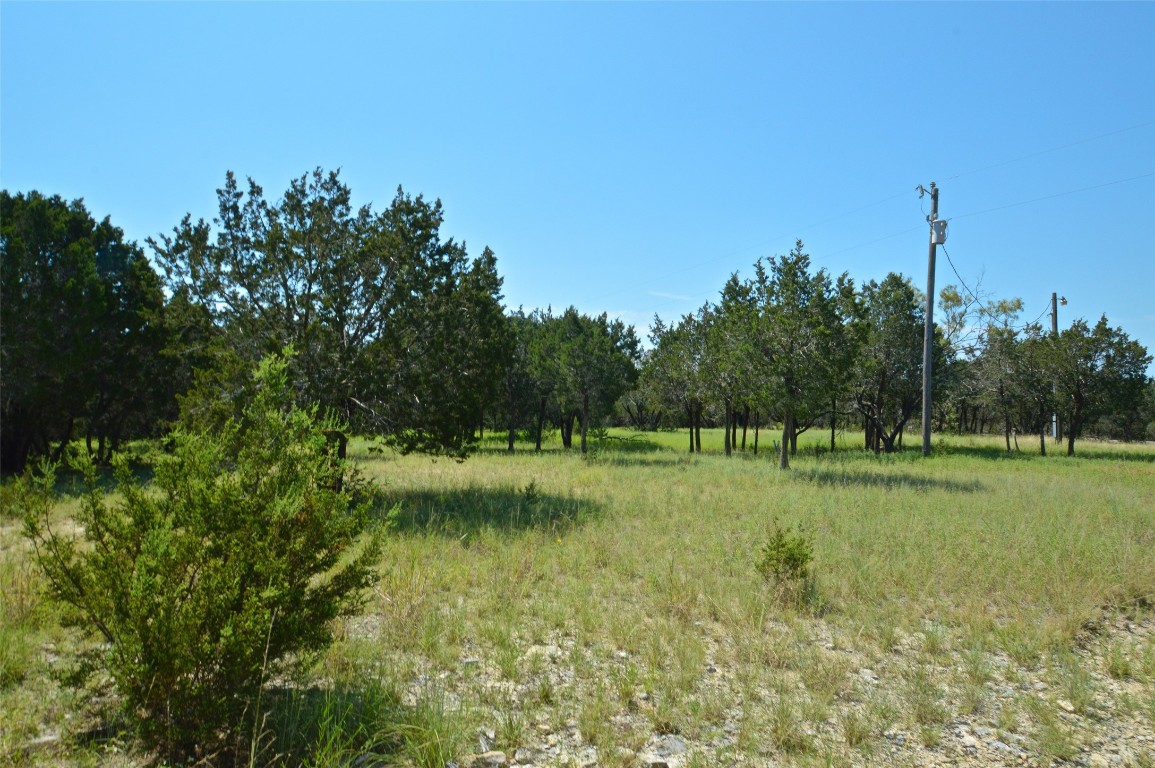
(403, 336)
(793, 346)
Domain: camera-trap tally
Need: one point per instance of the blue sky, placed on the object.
(628, 157)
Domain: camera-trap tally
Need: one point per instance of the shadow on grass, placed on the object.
(365, 722)
(664, 458)
(889, 481)
(307, 725)
(605, 444)
(1093, 451)
(989, 452)
(69, 484)
(1096, 453)
(459, 511)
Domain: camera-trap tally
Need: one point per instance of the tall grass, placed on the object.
(970, 548)
(616, 595)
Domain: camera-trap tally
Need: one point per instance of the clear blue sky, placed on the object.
(628, 157)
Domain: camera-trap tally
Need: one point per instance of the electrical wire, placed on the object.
(983, 310)
(876, 240)
(1057, 194)
(956, 274)
(1052, 149)
(734, 252)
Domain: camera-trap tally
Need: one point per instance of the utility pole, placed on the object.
(1055, 299)
(937, 235)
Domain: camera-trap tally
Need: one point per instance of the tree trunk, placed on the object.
(729, 424)
(793, 439)
(585, 419)
(833, 420)
(745, 424)
(698, 428)
(567, 430)
(1007, 429)
(787, 433)
(58, 454)
(690, 414)
(540, 424)
(757, 423)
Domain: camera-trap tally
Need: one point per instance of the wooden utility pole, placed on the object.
(1056, 428)
(928, 331)
(1054, 332)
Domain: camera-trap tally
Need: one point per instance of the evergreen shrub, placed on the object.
(219, 574)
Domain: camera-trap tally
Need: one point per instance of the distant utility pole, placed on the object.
(1055, 299)
(937, 235)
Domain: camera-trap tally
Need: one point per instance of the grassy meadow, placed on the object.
(572, 610)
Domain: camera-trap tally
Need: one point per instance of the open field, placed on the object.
(970, 608)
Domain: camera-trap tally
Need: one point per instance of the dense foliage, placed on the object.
(210, 579)
(403, 336)
(397, 330)
(81, 332)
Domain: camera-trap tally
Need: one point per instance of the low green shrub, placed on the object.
(786, 556)
(218, 575)
(784, 561)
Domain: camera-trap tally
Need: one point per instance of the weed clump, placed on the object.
(784, 561)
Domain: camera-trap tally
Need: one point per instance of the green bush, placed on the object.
(784, 561)
(223, 571)
(785, 556)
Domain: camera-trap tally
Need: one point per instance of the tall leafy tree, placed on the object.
(596, 362)
(801, 337)
(434, 373)
(518, 384)
(999, 363)
(1096, 370)
(81, 329)
(888, 380)
(673, 374)
(397, 331)
(1037, 403)
(731, 355)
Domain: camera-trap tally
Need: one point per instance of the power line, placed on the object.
(981, 309)
(1057, 194)
(728, 255)
(911, 229)
(876, 240)
(1052, 149)
(956, 274)
(734, 252)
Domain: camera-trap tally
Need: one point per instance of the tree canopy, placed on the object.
(402, 335)
(397, 330)
(81, 330)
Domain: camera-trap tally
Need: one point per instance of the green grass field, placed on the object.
(572, 610)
